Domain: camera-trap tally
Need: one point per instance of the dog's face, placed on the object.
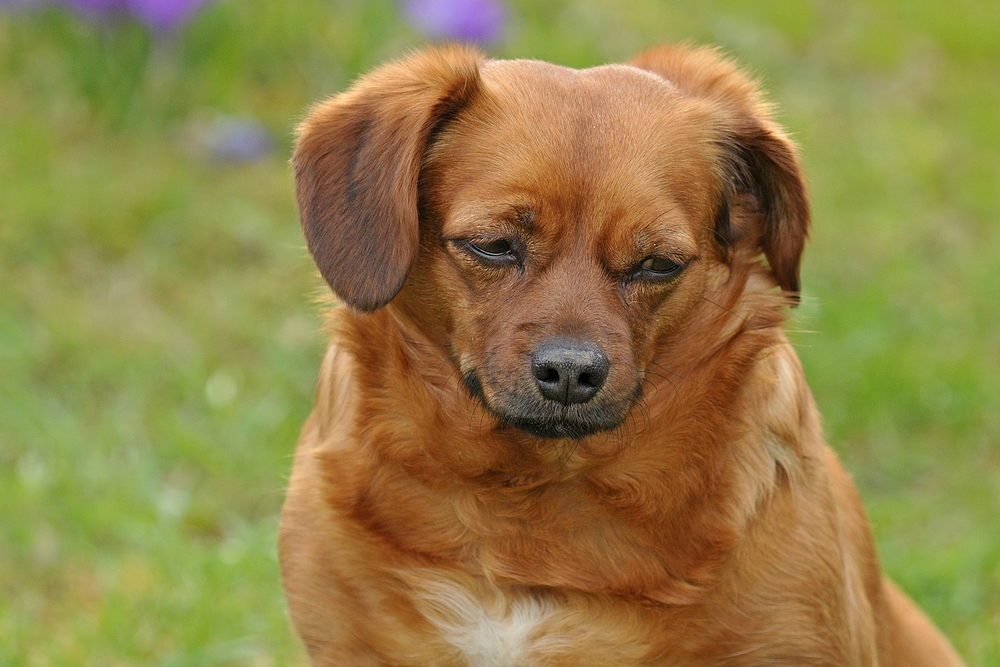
(552, 226)
(566, 231)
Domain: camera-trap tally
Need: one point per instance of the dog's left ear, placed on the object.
(357, 163)
(764, 199)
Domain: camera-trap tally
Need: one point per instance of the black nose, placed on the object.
(569, 371)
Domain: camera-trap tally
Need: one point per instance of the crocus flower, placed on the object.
(164, 15)
(160, 15)
(239, 140)
(98, 6)
(468, 20)
(21, 4)
(229, 139)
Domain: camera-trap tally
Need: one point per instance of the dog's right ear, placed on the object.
(357, 162)
(764, 200)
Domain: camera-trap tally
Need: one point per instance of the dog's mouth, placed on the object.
(562, 427)
(544, 418)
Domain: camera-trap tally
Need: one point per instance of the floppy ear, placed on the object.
(357, 161)
(764, 200)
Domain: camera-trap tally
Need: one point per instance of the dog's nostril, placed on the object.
(569, 371)
(550, 375)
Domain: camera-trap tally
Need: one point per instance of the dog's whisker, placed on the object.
(652, 385)
(728, 310)
(674, 373)
(646, 380)
(644, 408)
(673, 385)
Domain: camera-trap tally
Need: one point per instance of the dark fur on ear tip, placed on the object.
(763, 175)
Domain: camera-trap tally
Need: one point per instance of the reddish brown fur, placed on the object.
(701, 520)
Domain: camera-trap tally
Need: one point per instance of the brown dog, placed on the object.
(559, 422)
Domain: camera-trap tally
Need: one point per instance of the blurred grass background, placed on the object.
(159, 338)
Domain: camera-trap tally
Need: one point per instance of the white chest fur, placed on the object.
(486, 627)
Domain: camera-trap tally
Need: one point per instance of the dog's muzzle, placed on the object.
(564, 394)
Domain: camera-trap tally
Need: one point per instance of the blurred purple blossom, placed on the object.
(159, 15)
(240, 140)
(229, 139)
(19, 4)
(468, 20)
(98, 6)
(164, 15)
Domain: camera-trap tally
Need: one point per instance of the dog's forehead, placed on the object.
(546, 82)
(602, 140)
(587, 109)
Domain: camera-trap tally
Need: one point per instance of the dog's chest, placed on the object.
(489, 628)
(482, 626)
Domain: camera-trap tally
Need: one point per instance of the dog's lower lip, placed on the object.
(552, 427)
(555, 430)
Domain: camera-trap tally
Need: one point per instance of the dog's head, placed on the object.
(550, 226)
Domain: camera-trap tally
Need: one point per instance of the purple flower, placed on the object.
(164, 15)
(160, 15)
(229, 139)
(239, 140)
(21, 4)
(98, 6)
(469, 20)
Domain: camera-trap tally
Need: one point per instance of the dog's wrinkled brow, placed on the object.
(525, 217)
(517, 217)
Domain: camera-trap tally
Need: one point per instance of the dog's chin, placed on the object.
(557, 428)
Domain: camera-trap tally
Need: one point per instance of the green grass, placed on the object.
(158, 333)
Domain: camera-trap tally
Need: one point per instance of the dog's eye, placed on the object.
(659, 267)
(492, 249)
